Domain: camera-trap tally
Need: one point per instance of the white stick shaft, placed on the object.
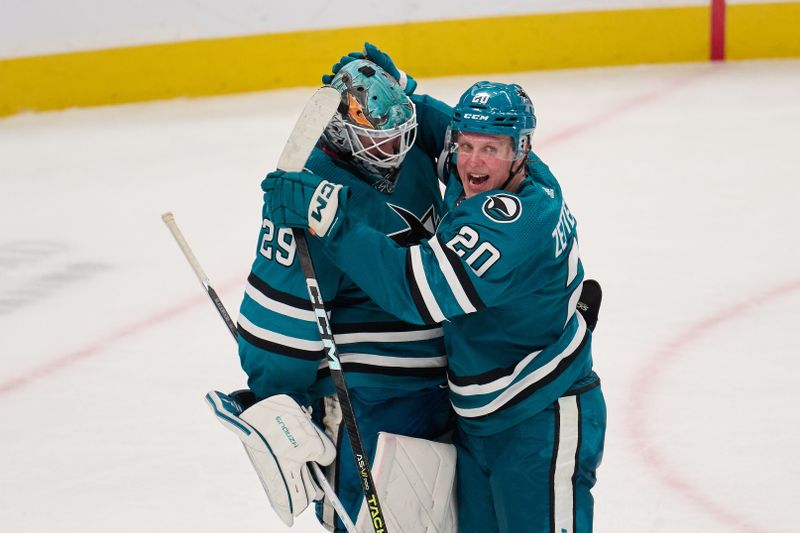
(337, 504)
(169, 220)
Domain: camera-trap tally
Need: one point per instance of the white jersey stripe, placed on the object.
(505, 381)
(277, 338)
(515, 388)
(450, 276)
(572, 306)
(279, 307)
(572, 261)
(568, 440)
(390, 361)
(388, 336)
(422, 283)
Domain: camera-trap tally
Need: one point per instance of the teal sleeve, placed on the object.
(467, 266)
(433, 119)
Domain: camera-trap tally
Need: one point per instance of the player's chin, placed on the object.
(471, 189)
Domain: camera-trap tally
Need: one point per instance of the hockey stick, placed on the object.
(309, 127)
(169, 220)
(293, 159)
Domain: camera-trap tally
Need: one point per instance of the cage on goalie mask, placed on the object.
(376, 122)
(495, 109)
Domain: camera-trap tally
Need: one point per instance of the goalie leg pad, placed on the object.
(280, 440)
(416, 485)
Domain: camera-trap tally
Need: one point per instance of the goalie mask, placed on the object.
(376, 123)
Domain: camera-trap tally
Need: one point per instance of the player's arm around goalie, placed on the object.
(477, 258)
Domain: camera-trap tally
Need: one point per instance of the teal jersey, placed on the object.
(503, 275)
(279, 343)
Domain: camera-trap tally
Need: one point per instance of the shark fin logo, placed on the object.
(416, 228)
(502, 208)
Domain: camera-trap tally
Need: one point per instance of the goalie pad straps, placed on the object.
(280, 440)
(416, 481)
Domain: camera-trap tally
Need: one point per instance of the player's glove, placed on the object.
(382, 59)
(280, 440)
(304, 200)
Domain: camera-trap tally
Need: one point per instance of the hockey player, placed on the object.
(395, 370)
(503, 276)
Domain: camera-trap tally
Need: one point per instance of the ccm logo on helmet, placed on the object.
(475, 116)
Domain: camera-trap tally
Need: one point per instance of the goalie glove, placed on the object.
(303, 200)
(382, 59)
(280, 440)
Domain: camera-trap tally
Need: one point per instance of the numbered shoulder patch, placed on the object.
(502, 208)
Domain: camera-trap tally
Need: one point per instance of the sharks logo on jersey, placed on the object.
(416, 228)
(502, 208)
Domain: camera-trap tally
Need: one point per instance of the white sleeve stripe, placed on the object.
(572, 306)
(572, 261)
(277, 338)
(279, 307)
(450, 275)
(390, 361)
(422, 283)
(388, 336)
(514, 389)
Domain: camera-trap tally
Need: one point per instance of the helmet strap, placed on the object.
(513, 171)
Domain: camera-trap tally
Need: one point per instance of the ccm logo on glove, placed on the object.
(323, 207)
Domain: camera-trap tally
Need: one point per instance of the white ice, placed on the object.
(685, 180)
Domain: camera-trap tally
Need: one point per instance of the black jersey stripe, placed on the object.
(486, 377)
(281, 349)
(462, 275)
(549, 378)
(497, 373)
(279, 296)
(416, 294)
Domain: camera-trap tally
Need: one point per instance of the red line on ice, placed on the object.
(96, 347)
(646, 381)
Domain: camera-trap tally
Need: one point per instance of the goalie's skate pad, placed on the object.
(416, 485)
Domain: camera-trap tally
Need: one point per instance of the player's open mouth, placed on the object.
(477, 179)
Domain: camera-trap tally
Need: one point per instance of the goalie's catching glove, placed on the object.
(382, 59)
(304, 200)
(280, 440)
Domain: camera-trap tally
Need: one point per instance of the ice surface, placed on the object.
(684, 180)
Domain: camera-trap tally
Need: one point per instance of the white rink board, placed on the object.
(36, 27)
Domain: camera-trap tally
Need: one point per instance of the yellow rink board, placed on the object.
(437, 48)
(763, 30)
